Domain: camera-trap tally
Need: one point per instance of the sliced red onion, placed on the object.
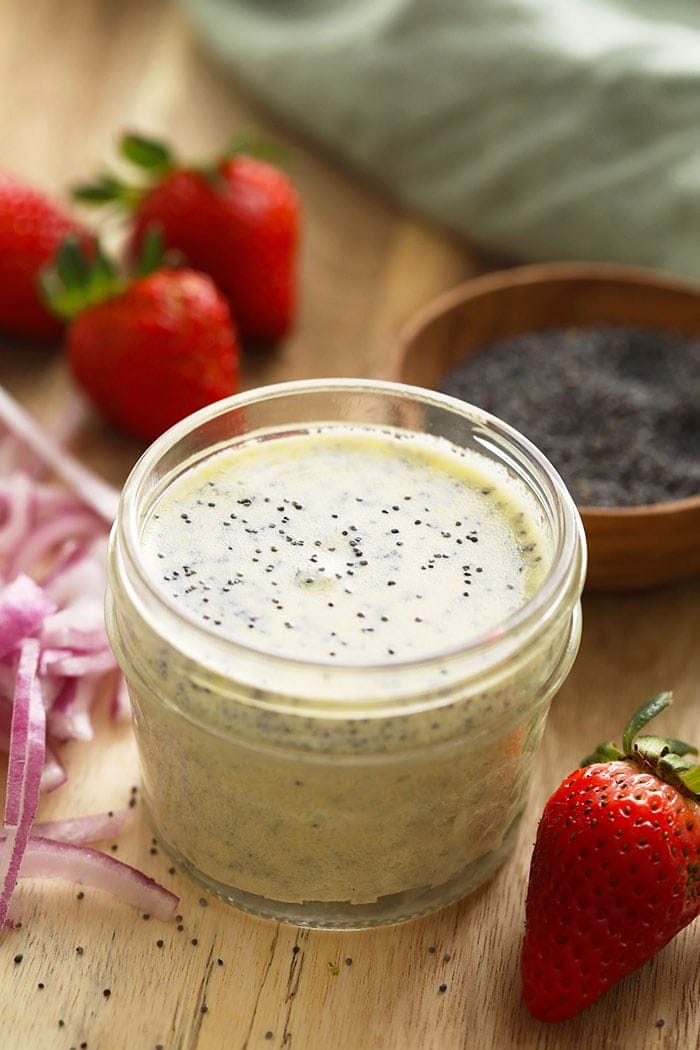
(72, 664)
(80, 830)
(15, 511)
(8, 670)
(81, 576)
(23, 608)
(94, 492)
(25, 765)
(49, 535)
(53, 775)
(46, 859)
(53, 653)
(79, 626)
(69, 717)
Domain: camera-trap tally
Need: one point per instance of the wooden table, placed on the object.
(71, 77)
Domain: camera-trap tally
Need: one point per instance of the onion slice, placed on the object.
(93, 491)
(47, 859)
(23, 608)
(54, 652)
(25, 766)
(79, 830)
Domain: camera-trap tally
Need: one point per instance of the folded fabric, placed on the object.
(539, 128)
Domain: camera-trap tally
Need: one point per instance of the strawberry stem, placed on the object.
(76, 281)
(666, 757)
(642, 716)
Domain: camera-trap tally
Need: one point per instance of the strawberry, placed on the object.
(146, 352)
(615, 871)
(32, 226)
(237, 220)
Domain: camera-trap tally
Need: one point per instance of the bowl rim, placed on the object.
(538, 274)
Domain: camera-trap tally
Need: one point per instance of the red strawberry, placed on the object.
(238, 221)
(615, 872)
(31, 228)
(146, 353)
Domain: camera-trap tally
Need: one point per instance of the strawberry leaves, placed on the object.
(151, 157)
(154, 159)
(77, 280)
(147, 153)
(666, 757)
(107, 189)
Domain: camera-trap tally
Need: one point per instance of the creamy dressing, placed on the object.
(344, 547)
(348, 544)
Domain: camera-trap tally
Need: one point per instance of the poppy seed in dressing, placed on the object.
(338, 692)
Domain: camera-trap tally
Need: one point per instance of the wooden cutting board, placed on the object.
(71, 77)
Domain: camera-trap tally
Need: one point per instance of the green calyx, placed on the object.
(81, 277)
(667, 758)
(154, 161)
(77, 280)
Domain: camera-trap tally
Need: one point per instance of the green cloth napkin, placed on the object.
(539, 128)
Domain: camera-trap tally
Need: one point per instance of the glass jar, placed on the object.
(336, 795)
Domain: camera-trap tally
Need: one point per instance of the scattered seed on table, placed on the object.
(107, 992)
(348, 961)
(160, 943)
(80, 895)
(204, 1008)
(220, 962)
(80, 949)
(203, 901)
(442, 988)
(431, 949)
(18, 958)
(269, 1034)
(194, 941)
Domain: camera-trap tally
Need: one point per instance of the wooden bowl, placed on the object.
(629, 548)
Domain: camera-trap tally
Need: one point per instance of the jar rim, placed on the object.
(561, 586)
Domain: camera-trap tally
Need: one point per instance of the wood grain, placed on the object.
(73, 75)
